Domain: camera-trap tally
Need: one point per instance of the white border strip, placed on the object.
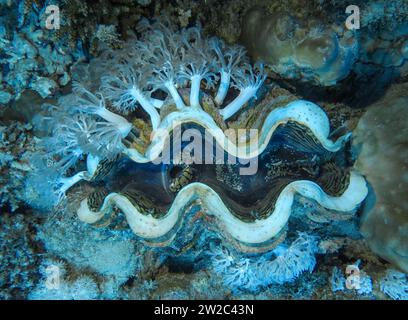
(255, 232)
(301, 111)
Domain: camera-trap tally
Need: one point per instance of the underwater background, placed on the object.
(90, 92)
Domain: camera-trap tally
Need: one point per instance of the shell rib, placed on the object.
(301, 111)
(249, 233)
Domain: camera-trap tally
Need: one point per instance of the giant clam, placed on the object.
(186, 83)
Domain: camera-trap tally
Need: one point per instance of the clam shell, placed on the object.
(304, 112)
(155, 204)
(248, 233)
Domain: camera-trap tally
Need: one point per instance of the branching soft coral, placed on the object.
(71, 140)
(161, 49)
(167, 59)
(127, 89)
(92, 124)
(247, 80)
(76, 137)
(229, 58)
(80, 134)
(198, 63)
(85, 101)
(241, 273)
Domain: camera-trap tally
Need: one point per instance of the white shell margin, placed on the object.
(251, 233)
(301, 111)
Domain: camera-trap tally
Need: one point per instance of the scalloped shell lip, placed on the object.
(301, 111)
(250, 234)
(257, 234)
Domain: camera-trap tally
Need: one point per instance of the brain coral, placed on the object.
(382, 136)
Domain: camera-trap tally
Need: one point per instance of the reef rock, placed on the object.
(382, 136)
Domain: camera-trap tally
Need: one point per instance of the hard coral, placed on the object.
(381, 140)
(301, 50)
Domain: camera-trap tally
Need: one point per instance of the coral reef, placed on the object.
(113, 254)
(40, 59)
(30, 59)
(94, 264)
(20, 254)
(83, 288)
(395, 285)
(91, 113)
(16, 148)
(384, 45)
(381, 141)
(191, 69)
